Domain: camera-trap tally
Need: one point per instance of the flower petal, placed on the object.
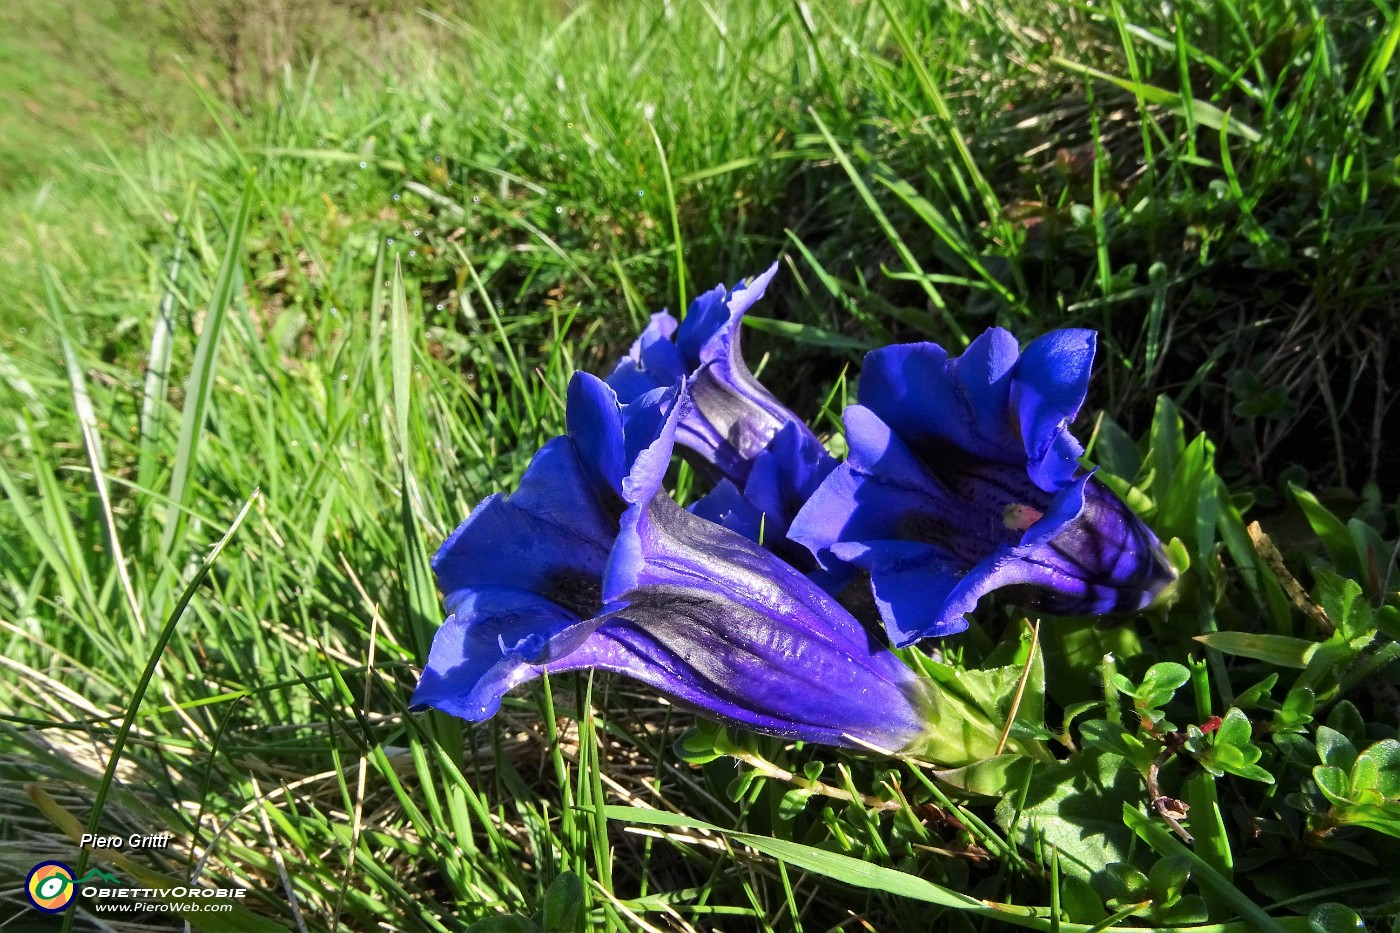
(963, 478)
(936, 402)
(551, 536)
(627, 448)
(653, 362)
(499, 637)
(1052, 379)
(716, 621)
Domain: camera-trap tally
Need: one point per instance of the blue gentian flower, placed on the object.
(588, 564)
(733, 417)
(963, 479)
(763, 459)
(522, 577)
(781, 479)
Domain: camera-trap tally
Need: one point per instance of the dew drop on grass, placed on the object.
(476, 199)
(439, 305)
(364, 165)
(412, 253)
(640, 192)
(389, 241)
(364, 419)
(418, 231)
(396, 197)
(344, 377)
(558, 210)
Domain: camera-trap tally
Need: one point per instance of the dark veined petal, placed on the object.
(963, 479)
(732, 417)
(783, 476)
(711, 619)
(522, 576)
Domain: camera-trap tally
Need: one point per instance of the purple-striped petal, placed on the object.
(963, 479)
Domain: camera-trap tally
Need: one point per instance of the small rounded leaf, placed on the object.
(1378, 769)
(1235, 729)
(1162, 681)
(1333, 783)
(1335, 749)
(563, 904)
(1168, 877)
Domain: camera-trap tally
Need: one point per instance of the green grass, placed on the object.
(354, 312)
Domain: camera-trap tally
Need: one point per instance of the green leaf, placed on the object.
(1161, 682)
(844, 868)
(1345, 604)
(199, 388)
(1167, 878)
(1279, 650)
(1202, 113)
(697, 746)
(1296, 711)
(1328, 527)
(1128, 884)
(1335, 749)
(1107, 737)
(1073, 805)
(1333, 783)
(990, 777)
(1080, 901)
(1115, 451)
(506, 923)
(1235, 729)
(1386, 757)
(563, 904)
(1164, 843)
(1186, 910)
(793, 802)
(1346, 719)
(807, 335)
(970, 709)
(1257, 695)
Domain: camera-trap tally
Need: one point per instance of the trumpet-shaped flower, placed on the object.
(963, 479)
(782, 477)
(588, 564)
(732, 417)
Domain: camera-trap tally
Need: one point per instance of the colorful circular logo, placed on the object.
(50, 887)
